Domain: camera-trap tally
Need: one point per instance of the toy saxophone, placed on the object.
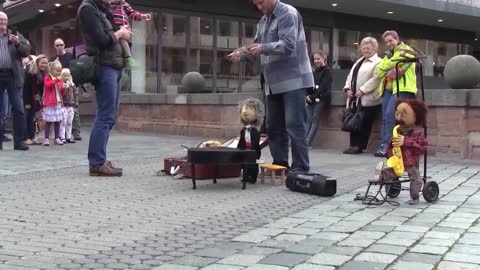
(395, 162)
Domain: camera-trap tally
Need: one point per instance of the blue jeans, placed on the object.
(108, 101)
(15, 96)
(286, 117)
(388, 114)
(3, 108)
(314, 111)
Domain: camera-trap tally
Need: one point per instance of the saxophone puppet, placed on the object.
(406, 146)
(251, 116)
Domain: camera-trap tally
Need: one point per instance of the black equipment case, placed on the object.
(312, 183)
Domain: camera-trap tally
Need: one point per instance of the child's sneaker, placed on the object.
(46, 142)
(58, 142)
(378, 171)
(413, 202)
(129, 63)
(69, 141)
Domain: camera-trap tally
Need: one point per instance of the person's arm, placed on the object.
(287, 33)
(388, 64)
(348, 82)
(417, 143)
(23, 47)
(371, 84)
(131, 13)
(49, 83)
(250, 58)
(92, 27)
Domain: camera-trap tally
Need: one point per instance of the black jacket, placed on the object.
(255, 139)
(99, 36)
(33, 87)
(323, 78)
(17, 52)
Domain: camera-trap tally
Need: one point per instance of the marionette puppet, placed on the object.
(406, 147)
(251, 116)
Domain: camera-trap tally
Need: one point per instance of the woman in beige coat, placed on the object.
(361, 87)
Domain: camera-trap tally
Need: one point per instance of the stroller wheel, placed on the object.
(394, 189)
(431, 191)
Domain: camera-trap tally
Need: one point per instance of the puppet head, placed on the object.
(252, 112)
(410, 113)
(210, 144)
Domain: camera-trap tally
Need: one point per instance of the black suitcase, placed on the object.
(312, 183)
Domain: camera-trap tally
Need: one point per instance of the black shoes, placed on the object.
(77, 138)
(21, 147)
(353, 150)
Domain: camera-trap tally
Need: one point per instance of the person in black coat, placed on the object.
(318, 97)
(251, 116)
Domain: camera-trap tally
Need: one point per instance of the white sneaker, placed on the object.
(46, 142)
(378, 171)
(58, 142)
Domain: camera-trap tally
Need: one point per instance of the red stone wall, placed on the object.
(453, 132)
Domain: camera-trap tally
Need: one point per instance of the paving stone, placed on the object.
(466, 249)
(420, 257)
(290, 237)
(222, 267)
(329, 236)
(470, 238)
(216, 252)
(442, 235)
(302, 231)
(305, 249)
(267, 231)
(261, 251)
(376, 228)
(409, 228)
(429, 249)
(437, 242)
(197, 261)
(251, 238)
(329, 259)
(448, 230)
(307, 266)
(361, 265)
(376, 257)
(459, 257)
(284, 259)
(275, 244)
(396, 241)
(403, 265)
(235, 245)
(457, 225)
(356, 242)
(242, 259)
(350, 251)
(388, 249)
(265, 267)
(367, 235)
(175, 267)
(317, 242)
(446, 265)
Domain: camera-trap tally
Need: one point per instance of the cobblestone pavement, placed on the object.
(54, 216)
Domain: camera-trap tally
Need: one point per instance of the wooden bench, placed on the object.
(272, 168)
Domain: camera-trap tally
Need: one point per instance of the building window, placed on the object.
(174, 41)
(347, 51)
(201, 48)
(227, 41)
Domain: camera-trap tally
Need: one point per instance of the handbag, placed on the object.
(83, 66)
(353, 118)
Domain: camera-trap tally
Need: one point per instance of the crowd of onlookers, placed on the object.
(50, 98)
(371, 87)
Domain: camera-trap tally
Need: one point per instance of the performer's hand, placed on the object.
(255, 49)
(146, 17)
(399, 141)
(234, 57)
(28, 107)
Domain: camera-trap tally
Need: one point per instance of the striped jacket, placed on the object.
(285, 61)
(123, 12)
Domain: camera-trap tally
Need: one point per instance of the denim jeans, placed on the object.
(15, 96)
(3, 108)
(388, 113)
(108, 101)
(286, 118)
(314, 111)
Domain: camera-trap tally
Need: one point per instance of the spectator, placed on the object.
(65, 57)
(102, 42)
(13, 47)
(52, 111)
(318, 97)
(361, 86)
(281, 43)
(397, 51)
(33, 92)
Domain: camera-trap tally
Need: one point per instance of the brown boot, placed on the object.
(104, 170)
(112, 166)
